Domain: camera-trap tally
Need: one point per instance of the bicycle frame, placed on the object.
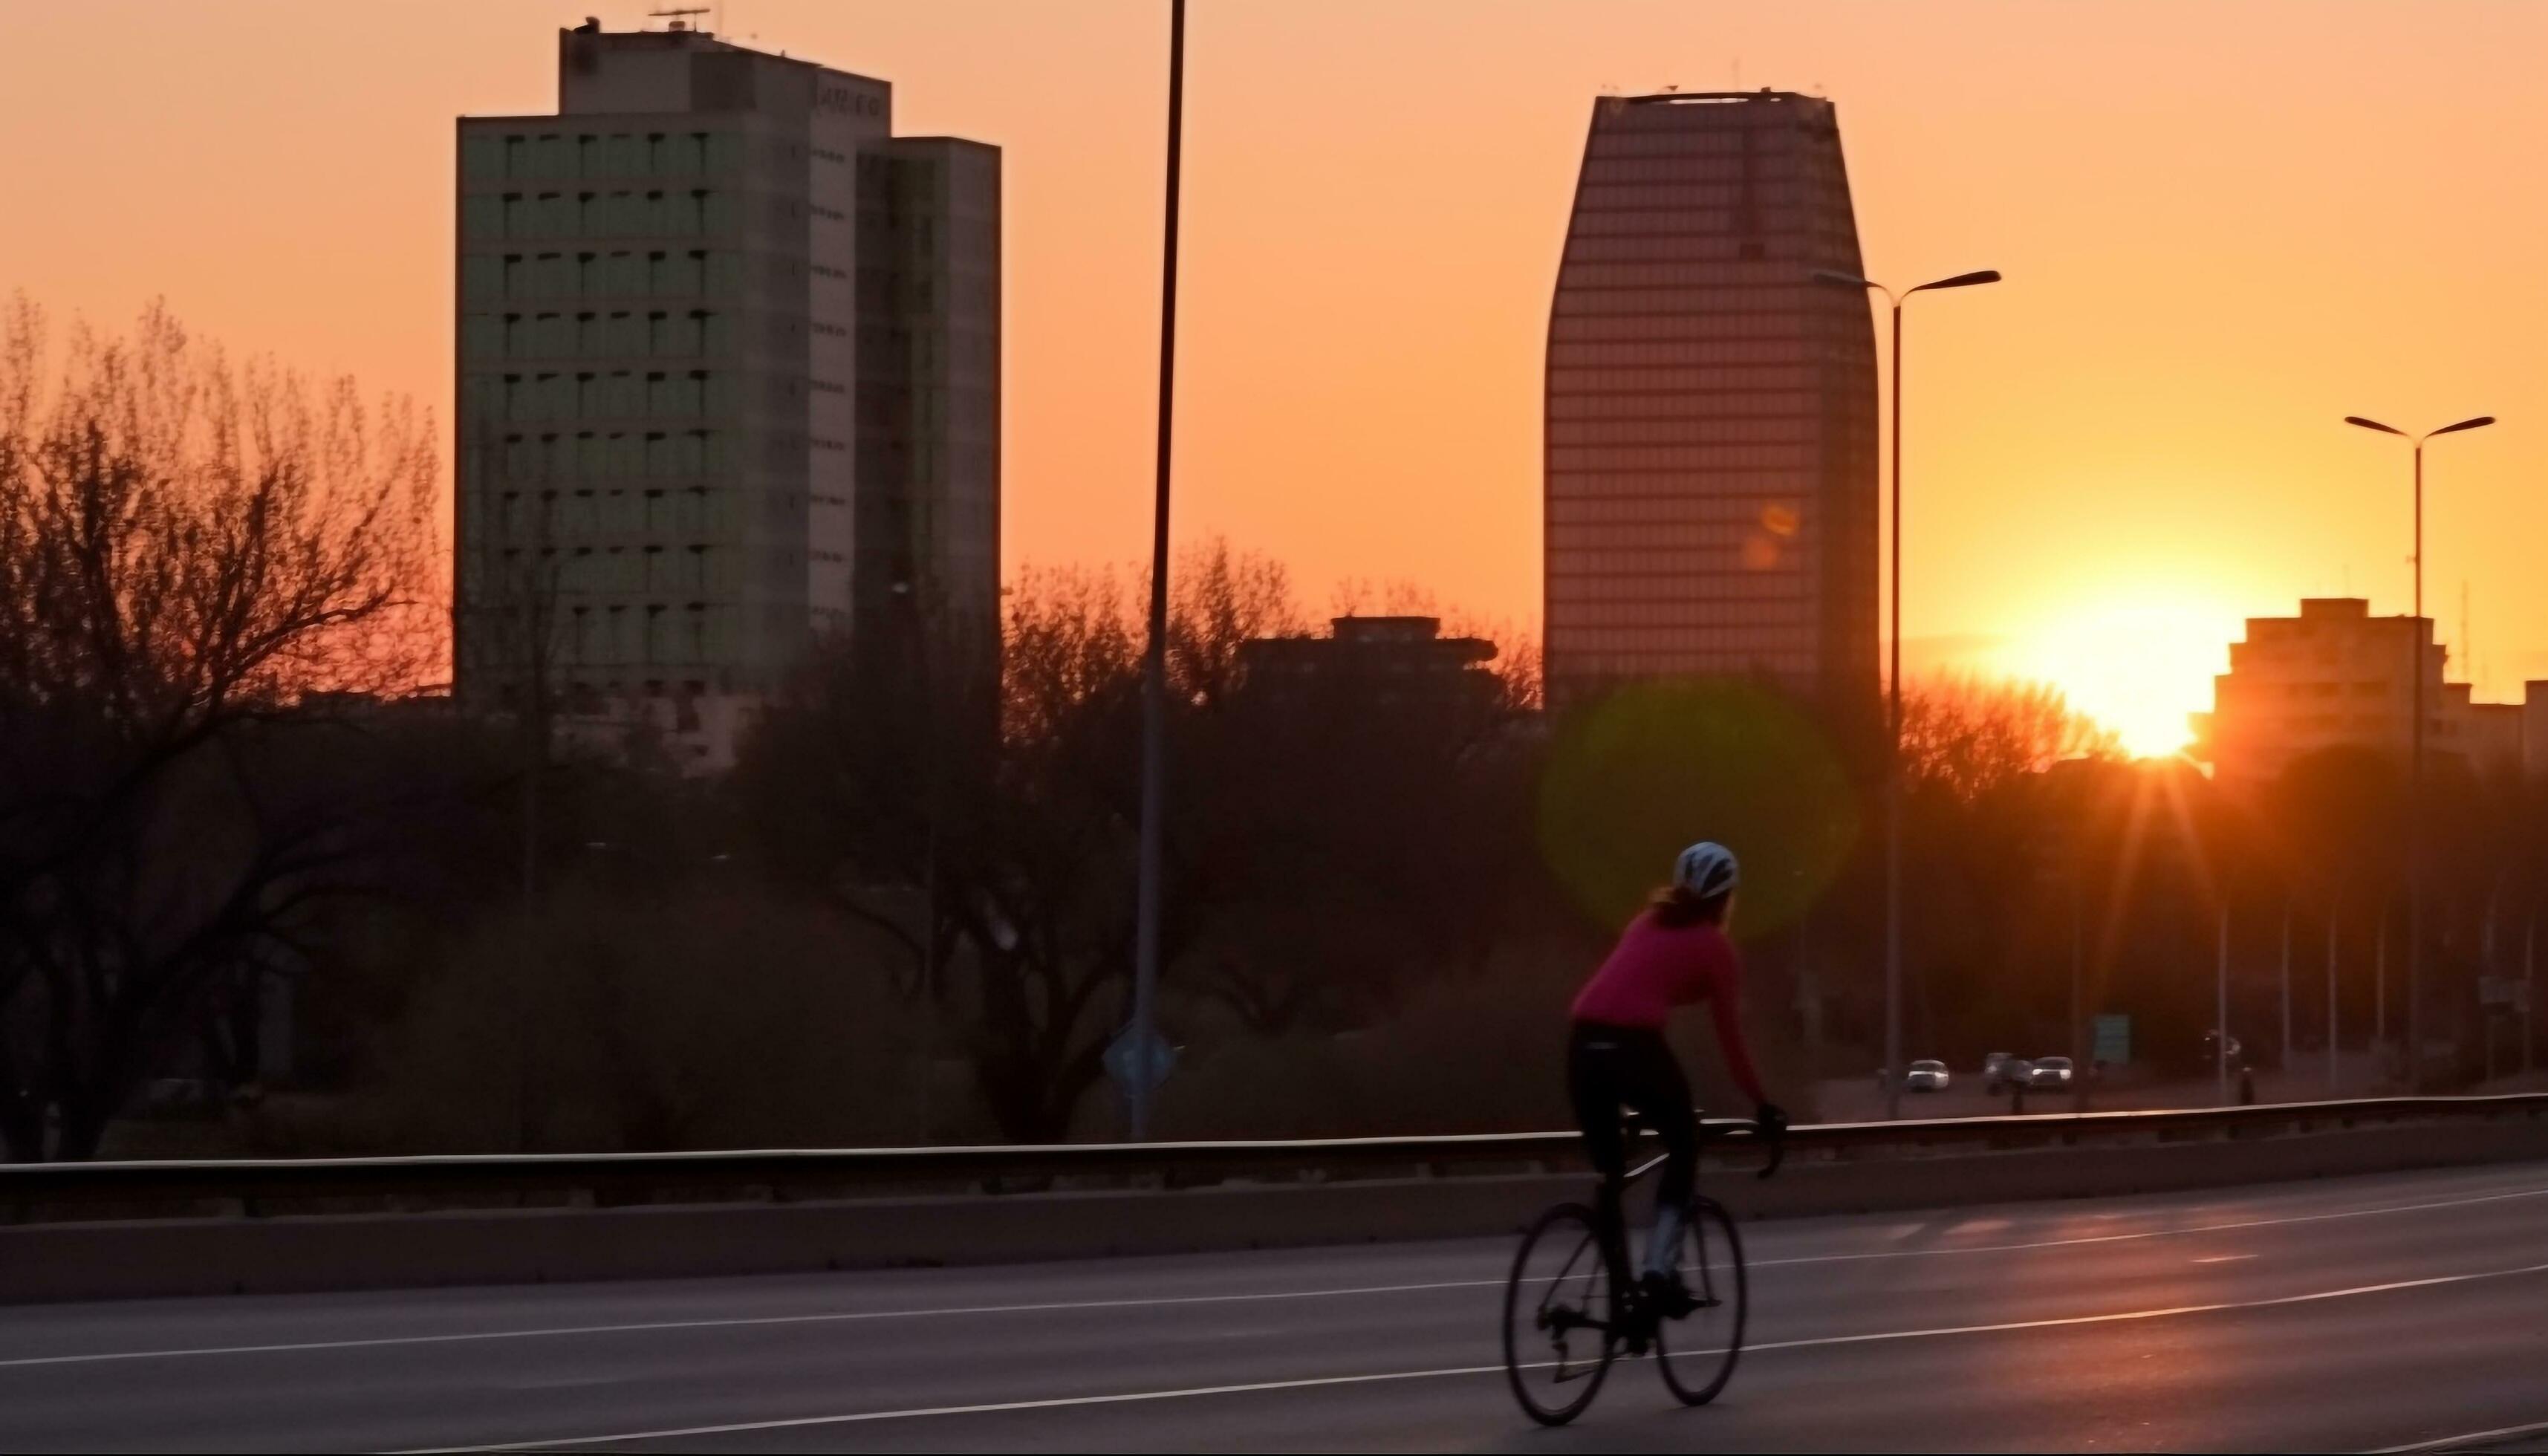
(1628, 1318)
(1636, 1322)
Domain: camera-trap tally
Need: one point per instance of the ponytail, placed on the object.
(1676, 908)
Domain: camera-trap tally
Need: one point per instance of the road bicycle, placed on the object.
(1564, 1323)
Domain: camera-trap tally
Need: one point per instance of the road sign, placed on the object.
(1137, 1066)
(2111, 1039)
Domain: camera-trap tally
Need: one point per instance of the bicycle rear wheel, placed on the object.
(1710, 1338)
(1558, 1308)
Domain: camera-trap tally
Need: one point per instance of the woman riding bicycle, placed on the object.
(1675, 954)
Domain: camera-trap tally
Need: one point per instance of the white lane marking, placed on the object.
(990, 1408)
(2471, 1438)
(2002, 1248)
(1119, 1397)
(743, 1321)
(747, 1322)
(2223, 1258)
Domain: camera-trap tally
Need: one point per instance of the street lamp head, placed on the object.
(2481, 422)
(1961, 280)
(2373, 424)
(1840, 280)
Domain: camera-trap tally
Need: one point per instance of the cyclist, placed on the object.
(1675, 954)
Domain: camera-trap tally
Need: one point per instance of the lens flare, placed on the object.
(1635, 777)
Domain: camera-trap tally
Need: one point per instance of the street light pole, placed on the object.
(2287, 982)
(1893, 685)
(1155, 674)
(2079, 1047)
(2487, 965)
(2417, 655)
(2331, 1074)
(2221, 1002)
(2415, 635)
(2529, 985)
(920, 621)
(2380, 988)
(1894, 759)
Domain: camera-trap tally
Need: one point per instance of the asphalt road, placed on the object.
(2360, 1314)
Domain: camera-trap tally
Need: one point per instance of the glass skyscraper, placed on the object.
(1711, 414)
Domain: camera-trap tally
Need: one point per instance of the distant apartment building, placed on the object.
(2534, 728)
(2488, 733)
(1382, 660)
(728, 379)
(1711, 411)
(2336, 676)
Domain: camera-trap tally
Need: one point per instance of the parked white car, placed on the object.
(1926, 1076)
(2049, 1072)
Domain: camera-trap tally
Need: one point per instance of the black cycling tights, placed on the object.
(1613, 1067)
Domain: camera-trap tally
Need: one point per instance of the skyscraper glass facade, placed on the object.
(1711, 414)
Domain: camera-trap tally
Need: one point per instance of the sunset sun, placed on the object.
(2136, 667)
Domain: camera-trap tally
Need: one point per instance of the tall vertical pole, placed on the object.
(2380, 983)
(2415, 807)
(2220, 1004)
(1809, 996)
(2078, 1009)
(2529, 986)
(924, 665)
(1155, 675)
(2287, 981)
(1893, 773)
(2331, 1074)
(2487, 981)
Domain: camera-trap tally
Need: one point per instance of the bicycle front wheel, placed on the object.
(1697, 1352)
(1558, 1314)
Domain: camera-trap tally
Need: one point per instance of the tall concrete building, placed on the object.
(1711, 464)
(728, 378)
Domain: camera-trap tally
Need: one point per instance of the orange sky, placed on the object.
(2224, 226)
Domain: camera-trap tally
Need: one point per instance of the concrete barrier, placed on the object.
(239, 1255)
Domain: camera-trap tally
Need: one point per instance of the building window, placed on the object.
(681, 154)
(482, 336)
(676, 335)
(482, 158)
(674, 274)
(481, 216)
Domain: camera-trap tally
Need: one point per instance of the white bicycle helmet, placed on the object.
(1705, 871)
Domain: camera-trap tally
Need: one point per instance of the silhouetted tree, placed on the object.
(1006, 807)
(1969, 735)
(190, 553)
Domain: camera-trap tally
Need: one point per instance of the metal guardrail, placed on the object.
(38, 1191)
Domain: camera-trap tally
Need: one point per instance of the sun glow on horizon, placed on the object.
(2139, 669)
